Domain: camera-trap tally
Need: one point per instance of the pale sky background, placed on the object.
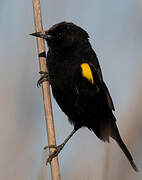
(115, 29)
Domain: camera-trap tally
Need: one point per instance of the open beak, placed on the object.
(42, 34)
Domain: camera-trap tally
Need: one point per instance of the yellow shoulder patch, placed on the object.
(86, 72)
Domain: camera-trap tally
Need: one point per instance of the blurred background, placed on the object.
(115, 33)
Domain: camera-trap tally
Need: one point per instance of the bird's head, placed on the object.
(63, 35)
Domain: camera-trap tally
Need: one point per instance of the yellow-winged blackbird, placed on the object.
(77, 84)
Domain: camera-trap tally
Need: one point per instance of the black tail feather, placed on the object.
(115, 135)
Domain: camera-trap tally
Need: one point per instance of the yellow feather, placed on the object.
(86, 72)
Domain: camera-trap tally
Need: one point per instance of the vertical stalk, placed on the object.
(55, 172)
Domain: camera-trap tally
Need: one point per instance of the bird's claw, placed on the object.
(50, 146)
(45, 77)
(54, 153)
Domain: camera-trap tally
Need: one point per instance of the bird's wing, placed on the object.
(89, 83)
(109, 99)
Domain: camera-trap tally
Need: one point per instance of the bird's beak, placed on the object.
(42, 34)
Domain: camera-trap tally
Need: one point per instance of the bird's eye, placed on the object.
(59, 35)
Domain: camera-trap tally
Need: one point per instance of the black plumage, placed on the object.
(77, 83)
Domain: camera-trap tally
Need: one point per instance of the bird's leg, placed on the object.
(58, 148)
(44, 77)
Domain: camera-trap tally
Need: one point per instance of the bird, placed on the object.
(77, 84)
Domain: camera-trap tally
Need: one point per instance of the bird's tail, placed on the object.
(115, 135)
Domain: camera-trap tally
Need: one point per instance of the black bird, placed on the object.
(77, 84)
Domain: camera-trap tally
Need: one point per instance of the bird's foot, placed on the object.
(58, 148)
(45, 77)
(54, 153)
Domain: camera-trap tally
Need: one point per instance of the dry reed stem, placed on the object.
(55, 172)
